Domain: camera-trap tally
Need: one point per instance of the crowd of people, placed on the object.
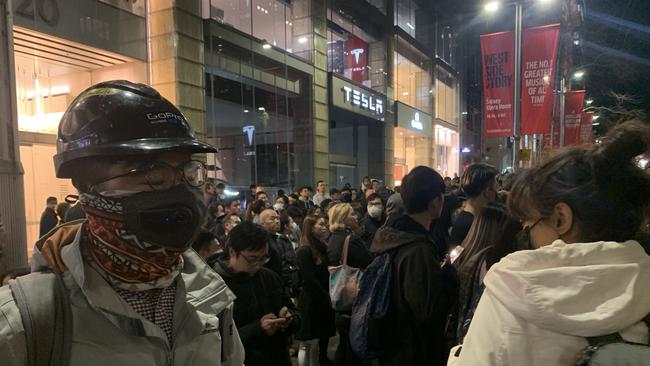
(483, 269)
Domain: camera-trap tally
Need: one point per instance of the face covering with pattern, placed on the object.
(129, 244)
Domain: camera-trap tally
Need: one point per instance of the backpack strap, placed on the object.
(44, 307)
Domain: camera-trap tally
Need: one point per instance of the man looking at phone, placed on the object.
(263, 312)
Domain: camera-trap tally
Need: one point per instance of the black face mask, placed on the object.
(170, 218)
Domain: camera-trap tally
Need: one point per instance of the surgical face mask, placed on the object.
(278, 206)
(375, 211)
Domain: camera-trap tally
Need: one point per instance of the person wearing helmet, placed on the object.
(134, 293)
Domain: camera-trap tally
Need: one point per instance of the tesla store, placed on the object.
(60, 50)
(356, 138)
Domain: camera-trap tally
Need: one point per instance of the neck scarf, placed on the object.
(126, 262)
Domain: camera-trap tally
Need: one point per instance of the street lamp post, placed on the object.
(519, 10)
(519, 15)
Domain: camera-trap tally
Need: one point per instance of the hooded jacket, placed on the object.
(538, 305)
(422, 295)
(107, 331)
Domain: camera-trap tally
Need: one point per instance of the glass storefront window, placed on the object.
(446, 44)
(260, 125)
(354, 54)
(46, 83)
(447, 153)
(411, 150)
(405, 13)
(447, 103)
(282, 25)
(412, 79)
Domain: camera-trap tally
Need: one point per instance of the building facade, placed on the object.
(290, 91)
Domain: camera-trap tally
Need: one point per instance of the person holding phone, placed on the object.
(263, 312)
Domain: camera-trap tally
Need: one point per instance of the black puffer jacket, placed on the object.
(422, 296)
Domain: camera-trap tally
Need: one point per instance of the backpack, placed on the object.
(44, 307)
(612, 350)
(368, 326)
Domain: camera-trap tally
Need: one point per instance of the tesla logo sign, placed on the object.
(250, 132)
(357, 52)
(415, 122)
(362, 100)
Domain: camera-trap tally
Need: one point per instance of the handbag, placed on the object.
(344, 282)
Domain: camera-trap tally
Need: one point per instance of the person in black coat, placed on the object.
(48, 219)
(374, 218)
(263, 312)
(423, 291)
(343, 225)
(314, 301)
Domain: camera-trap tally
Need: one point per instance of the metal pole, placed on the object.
(519, 10)
(12, 192)
(562, 97)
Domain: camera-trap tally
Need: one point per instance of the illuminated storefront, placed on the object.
(356, 134)
(447, 154)
(413, 140)
(58, 54)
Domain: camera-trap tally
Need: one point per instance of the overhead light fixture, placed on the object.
(589, 101)
(405, 93)
(578, 75)
(245, 110)
(492, 6)
(596, 124)
(262, 109)
(410, 25)
(302, 40)
(595, 117)
(266, 46)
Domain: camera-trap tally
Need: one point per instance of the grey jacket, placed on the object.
(107, 331)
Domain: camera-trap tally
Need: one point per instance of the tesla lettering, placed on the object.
(363, 100)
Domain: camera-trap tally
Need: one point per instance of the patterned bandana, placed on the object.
(129, 263)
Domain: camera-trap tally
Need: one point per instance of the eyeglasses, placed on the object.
(161, 176)
(525, 237)
(256, 260)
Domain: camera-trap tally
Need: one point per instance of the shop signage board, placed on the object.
(93, 23)
(498, 57)
(354, 98)
(413, 119)
(357, 58)
(539, 52)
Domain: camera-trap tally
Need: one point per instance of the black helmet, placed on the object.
(121, 118)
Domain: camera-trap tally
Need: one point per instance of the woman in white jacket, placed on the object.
(585, 278)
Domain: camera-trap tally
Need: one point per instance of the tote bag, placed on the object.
(344, 282)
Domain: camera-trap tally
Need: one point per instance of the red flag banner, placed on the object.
(573, 105)
(498, 57)
(539, 57)
(586, 128)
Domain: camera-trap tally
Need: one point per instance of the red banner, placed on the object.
(498, 51)
(586, 128)
(573, 105)
(539, 58)
(357, 58)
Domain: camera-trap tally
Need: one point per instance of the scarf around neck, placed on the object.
(124, 260)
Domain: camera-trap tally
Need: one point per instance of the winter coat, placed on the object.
(48, 221)
(106, 331)
(314, 300)
(358, 254)
(370, 227)
(422, 296)
(282, 260)
(538, 305)
(258, 295)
